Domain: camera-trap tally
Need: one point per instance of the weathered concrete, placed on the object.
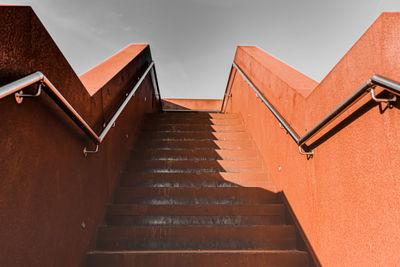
(185, 258)
(347, 197)
(168, 208)
(100, 75)
(51, 196)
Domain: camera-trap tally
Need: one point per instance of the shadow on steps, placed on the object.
(197, 194)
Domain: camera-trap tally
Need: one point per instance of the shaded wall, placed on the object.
(47, 187)
(191, 104)
(347, 197)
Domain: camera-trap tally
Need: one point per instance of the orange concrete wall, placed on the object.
(47, 186)
(191, 104)
(347, 198)
(100, 75)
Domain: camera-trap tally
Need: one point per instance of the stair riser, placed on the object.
(176, 237)
(194, 115)
(240, 259)
(192, 154)
(199, 144)
(177, 183)
(193, 166)
(194, 180)
(190, 128)
(211, 171)
(192, 121)
(158, 200)
(132, 179)
(205, 210)
(193, 196)
(158, 135)
(193, 220)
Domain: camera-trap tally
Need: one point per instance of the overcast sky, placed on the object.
(193, 41)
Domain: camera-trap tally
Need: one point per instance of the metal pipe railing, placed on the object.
(368, 87)
(38, 77)
(227, 95)
(154, 80)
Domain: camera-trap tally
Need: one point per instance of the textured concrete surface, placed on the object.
(100, 75)
(185, 258)
(51, 196)
(347, 197)
(202, 212)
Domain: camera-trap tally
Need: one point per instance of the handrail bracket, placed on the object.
(309, 154)
(389, 101)
(86, 151)
(19, 96)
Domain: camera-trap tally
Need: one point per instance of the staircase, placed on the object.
(191, 196)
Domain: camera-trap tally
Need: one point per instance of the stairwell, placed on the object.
(191, 196)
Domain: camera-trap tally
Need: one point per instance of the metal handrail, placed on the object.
(154, 80)
(368, 87)
(39, 78)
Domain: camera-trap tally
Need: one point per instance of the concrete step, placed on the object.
(196, 237)
(206, 121)
(193, 127)
(188, 180)
(215, 220)
(194, 196)
(202, 115)
(196, 144)
(196, 215)
(159, 135)
(199, 258)
(194, 154)
(163, 166)
(276, 209)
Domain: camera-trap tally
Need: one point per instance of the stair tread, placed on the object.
(185, 220)
(193, 233)
(194, 154)
(198, 196)
(198, 251)
(208, 121)
(155, 165)
(197, 258)
(141, 228)
(197, 179)
(198, 144)
(223, 175)
(223, 190)
(254, 210)
(192, 115)
(194, 127)
(197, 237)
(160, 135)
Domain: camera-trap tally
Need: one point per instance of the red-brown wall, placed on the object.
(347, 198)
(47, 186)
(191, 104)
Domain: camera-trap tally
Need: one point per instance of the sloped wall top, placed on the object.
(295, 79)
(347, 197)
(97, 77)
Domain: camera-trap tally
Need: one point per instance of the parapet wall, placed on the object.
(51, 196)
(347, 197)
(181, 104)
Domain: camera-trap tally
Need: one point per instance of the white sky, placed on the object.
(193, 41)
